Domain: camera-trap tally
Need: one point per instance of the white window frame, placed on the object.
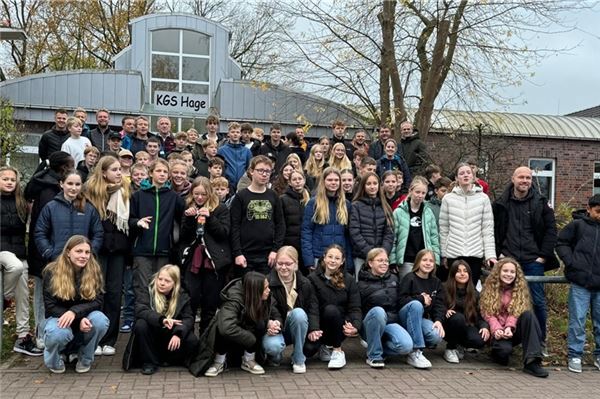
(546, 173)
(596, 177)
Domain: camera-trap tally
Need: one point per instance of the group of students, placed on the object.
(342, 258)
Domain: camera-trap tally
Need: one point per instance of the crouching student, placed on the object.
(422, 307)
(379, 296)
(339, 306)
(294, 299)
(164, 326)
(506, 306)
(239, 325)
(463, 323)
(73, 297)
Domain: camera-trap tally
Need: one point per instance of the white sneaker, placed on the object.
(325, 353)
(418, 360)
(338, 360)
(364, 343)
(215, 369)
(451, 356)
(298, 368)
(574, 365)
(252, 367)
(108, 350)
(98, 351)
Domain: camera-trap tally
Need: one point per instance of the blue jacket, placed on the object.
(317, 237)
(237, 158)
(59, 221)
(397, 163)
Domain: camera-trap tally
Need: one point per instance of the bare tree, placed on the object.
(386, 57)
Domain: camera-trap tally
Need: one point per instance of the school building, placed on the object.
(178, 65)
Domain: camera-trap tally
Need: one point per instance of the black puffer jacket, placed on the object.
(51, 141)
(346, 299)
(579, 248)
(41, 189)
(379, 291)
(306, 299)
(459, 307)
(56, 307)
(369, 228)
(12, 228)
(216, 238)
(293, 212)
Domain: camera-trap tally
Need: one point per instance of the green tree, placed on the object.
(10, 140)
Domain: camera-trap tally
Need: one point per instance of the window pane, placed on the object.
(194, 89)
(597, 167)
(195, 69)
(166, 40)
(195, 43)
(164, 86)
(543, 184)
(540, 164)
(165, 66)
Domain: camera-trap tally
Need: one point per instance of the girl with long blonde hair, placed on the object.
(338, 158)
(73, 293)
(326, 218)
(506, 306)
(106, 190)
(164, 327)
(314, 165)
(207, 251)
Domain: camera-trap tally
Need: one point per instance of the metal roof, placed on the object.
(511, 124)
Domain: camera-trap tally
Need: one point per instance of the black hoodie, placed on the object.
(51, 141)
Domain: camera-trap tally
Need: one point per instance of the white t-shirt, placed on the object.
(75, 147)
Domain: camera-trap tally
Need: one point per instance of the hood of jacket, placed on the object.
(410, 138)
(366, 275)
(294, 194)
(474, 190)
(234, 291)
(370, 201)
(146, 185)
(41, 180)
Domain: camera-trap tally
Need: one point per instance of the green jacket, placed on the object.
(431, 236)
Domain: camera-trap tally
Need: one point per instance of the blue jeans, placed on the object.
(580, 300)
(38, 308)
(294, 331)
(57, 339)
(383, 338)
(128, 296)
(538, 295)
(420, 329)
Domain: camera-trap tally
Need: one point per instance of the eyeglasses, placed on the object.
(382, 261)
(285, 264)
(263, 171)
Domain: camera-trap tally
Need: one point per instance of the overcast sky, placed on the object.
(567, 82)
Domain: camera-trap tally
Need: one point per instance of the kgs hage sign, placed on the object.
(184, 102)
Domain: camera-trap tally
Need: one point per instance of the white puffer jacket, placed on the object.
(467, 224)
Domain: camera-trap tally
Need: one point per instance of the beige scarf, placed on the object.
(118, 208)
(291, 295)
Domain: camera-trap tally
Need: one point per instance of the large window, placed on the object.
(596, 189)
(180, 62)
(544, 177)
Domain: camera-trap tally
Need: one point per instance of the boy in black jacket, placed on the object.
(579, 248)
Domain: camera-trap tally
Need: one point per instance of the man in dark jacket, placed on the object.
(53, 139)
(412, 149)
(101, 133)
(376, 150)
(525, 229)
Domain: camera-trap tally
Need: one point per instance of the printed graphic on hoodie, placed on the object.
(259, 210)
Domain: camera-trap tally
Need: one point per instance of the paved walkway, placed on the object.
(25, 377)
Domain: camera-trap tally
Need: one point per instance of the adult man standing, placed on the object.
(376, 148)
(525, 229)
(101, 132)
(275, 149)
(53, 139)
(412, 149)
(137, 141)
(167, 141)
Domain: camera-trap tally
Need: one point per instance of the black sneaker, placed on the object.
(149, 369)
(535, 369)
(26, 346)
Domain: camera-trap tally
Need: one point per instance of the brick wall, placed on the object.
(574, 160)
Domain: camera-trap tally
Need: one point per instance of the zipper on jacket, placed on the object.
(157, 203)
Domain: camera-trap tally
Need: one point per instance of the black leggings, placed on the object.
(204, 288)
(153, 342)
(527, 333)
(458, 332)
(332, 324)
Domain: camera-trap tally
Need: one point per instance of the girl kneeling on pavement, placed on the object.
(240, 323)
(422, 307)
(294, 299)
(339, 306)
(379, 295)
(164, 325)
(463, 323)
(506, 306)
(73, 297)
